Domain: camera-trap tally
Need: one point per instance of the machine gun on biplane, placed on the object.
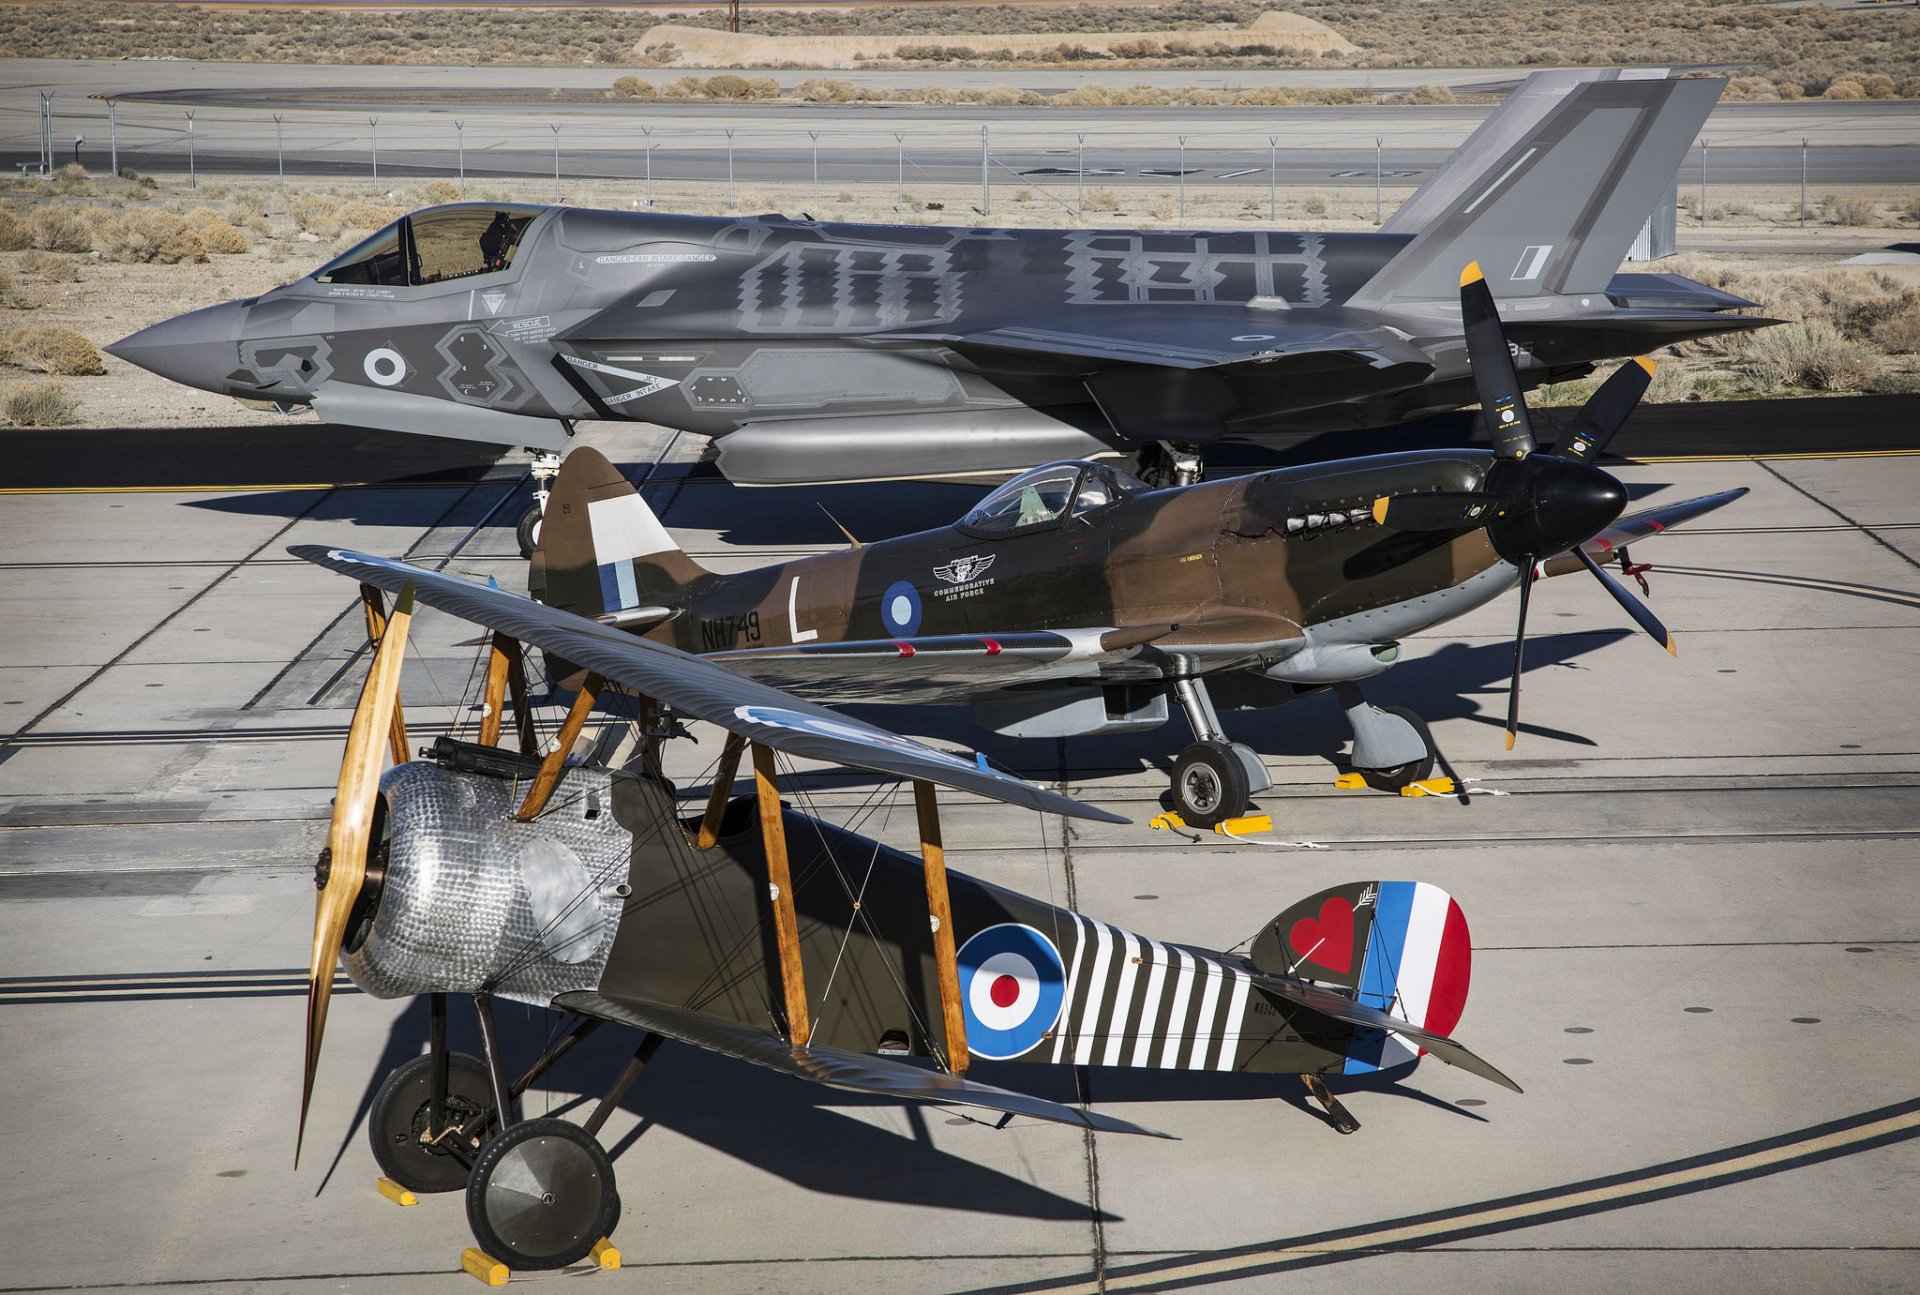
(579, 886)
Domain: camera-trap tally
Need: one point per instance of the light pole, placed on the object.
(1080, 179)
(1377, 141)
(1703, 180)
(46, 132)
(1273, 178)
(900, 164)
(814, 136)
(1803, 179)
(374, 122)
(732, 200)
(555, 128)
(113, 133)
(986, 189)
(280, 153)
(647, 132)
(193, 174)
(460, 150)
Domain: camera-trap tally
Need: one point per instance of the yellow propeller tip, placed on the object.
(1471, 274)
(1509, 741)
(1646, 362)
(1380, 510)
(1671, 649)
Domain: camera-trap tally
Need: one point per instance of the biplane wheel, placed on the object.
(398, 1124)
(527, 530)
(1397, 776)
(1209, 784)
(541, 1195)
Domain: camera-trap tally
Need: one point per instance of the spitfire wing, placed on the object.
(835, 1067)
(955, 668)
(1652, 521)
(696, 687)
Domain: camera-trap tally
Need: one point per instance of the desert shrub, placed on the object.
(49, 348)
(1430, 94)
(727, 86)
(1812, 353)
(1845, 88)
(1899, 332)
(1102, 200)
(1162, 206)
(56, 229)
(49, 267)
(14, 233)
(632, 87)
(1314, 205)
(367, 215)
(824, 90)
(436, 191)
(660, 55)
(38, 404)
(246, 204)
(316, 215)
(71, 178)
(1851, 211)
(6, 280)
(217, 235)
(143, 236)
(763, 87)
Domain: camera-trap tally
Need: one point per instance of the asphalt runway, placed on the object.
(1691, 890)
(418, 122)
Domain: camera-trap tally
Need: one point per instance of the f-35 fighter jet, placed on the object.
(814, 351)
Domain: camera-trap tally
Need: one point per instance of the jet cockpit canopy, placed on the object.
(434, 246)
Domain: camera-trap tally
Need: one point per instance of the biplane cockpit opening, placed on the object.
(435, 246)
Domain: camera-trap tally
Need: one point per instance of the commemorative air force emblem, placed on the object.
(961, 570)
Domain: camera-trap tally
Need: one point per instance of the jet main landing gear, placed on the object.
(1213, 778)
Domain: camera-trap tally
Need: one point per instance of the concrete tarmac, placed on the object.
(1690, 887)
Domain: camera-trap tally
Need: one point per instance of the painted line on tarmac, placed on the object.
(161, 987)
(1799, 1149)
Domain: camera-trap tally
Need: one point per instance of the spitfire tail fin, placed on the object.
(1548, 194)
(602, 552)
(1399, 946)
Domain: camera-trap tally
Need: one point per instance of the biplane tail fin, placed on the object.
(602, 552)
(1400, 947)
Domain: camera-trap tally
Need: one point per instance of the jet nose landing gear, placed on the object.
(545, 467)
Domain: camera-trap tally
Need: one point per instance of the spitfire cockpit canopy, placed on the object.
(1046, 495)
(434, 246)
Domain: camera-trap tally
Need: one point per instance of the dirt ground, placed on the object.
(110, 300)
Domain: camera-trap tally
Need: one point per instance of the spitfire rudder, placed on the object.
(601, 550)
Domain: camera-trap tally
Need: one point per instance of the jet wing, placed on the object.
(1199, 339)
(835, 1067)
(695, 686)
(1341, 1008)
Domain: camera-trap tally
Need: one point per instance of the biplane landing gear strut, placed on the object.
(545, 467)
(1213, 778)
(1392, 748)
(1337, 1115)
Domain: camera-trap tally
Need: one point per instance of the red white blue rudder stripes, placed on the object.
(1417, 964)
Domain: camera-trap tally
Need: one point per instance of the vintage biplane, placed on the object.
(1073, 600)
(746, 928)
(823, 351)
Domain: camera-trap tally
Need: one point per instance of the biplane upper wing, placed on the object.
(697, 687)
(1341, 1008)
(835, 1067)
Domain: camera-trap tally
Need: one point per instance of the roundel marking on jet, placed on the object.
(385, 366)
(1012, 990)
(900, 608)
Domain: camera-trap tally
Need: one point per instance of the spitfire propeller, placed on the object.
(342, 871)
(1534, 505)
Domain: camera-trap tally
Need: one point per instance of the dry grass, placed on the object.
(38, 404)
(49, 348)
(148, 235)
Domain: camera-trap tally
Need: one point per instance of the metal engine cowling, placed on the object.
(474, 901)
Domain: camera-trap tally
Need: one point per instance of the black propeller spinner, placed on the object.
(1533, 505)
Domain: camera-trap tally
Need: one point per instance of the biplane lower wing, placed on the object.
(698, 688)
(835, 1067)
(1346, 1010)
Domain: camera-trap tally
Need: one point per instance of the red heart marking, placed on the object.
(1327, 941)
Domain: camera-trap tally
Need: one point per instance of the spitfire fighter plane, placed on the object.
(1073, 600)
(749, 929)
(815, 351)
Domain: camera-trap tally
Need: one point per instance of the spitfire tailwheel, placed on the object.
(1209, 784)
(1398, 776)
(409, 1148)
(541, 1195)
(527, 530)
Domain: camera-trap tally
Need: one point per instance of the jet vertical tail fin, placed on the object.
(1548, 194)
(602, 552)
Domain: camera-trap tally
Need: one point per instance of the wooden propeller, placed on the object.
(349, 836)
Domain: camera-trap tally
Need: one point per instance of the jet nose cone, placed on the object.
(198, 349)
(1563, 504)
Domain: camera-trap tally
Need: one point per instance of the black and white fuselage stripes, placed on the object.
(1133, 1001)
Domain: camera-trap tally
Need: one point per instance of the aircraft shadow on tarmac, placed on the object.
(795, 1130)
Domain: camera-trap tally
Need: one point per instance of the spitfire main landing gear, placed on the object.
(540, 1192)
(1392, 748)
(545, 467)
(1213, 778)
(1169, 463)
